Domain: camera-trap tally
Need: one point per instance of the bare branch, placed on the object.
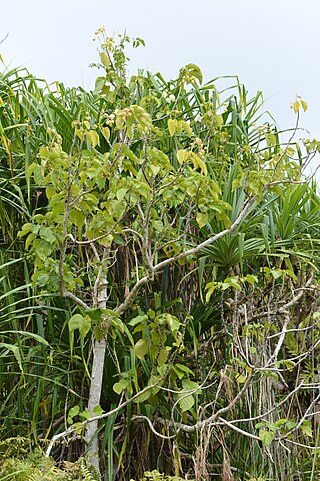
(132, 295)
(145, 418)
(238, 430)
(4, 38)
(210, 240)
(75, 299)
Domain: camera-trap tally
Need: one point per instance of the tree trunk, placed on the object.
(99, 350)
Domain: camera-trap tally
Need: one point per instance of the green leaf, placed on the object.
(155, 169)
(26, 228)
(138, 320)
(266, 437)
(173, 322)
(38, 175)
(157, 225)
(271, 140)
(141, 348)
(44, 152)
(50, 191)
(306, 428)
(163, 355)
(120, 386)
(234, 283)
(73, 412)
(28, 334)
(183, 368)
(240, 379)
(79, 427)
(47, 234)
(190, 385)
(251, 279)
(79, 322)
(210, 287)
(77, 217)
(95, 314)
(186, 403)
(42, 248)
(290, 425)
(276, 273)
(218, 121)
(86, 414)
(121, 193)
(98, 411)
(143, 397)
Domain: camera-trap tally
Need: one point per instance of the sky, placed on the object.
(272, 46)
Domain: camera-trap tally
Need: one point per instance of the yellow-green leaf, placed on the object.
(210, 292)
(44, 152)
(141, 348)
(296, 106)
(104, 57)
(195, 71)
(251, 279)
(93, 138)
(199, 163)
(186, 127)
(182, 156)
(78, 426)
(172, 126)
(218, 121)
(304, 105)
(271, 139)
(106, 132)
(163, 355)
(202, 219)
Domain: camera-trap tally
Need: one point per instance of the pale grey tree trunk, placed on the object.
(99, 350)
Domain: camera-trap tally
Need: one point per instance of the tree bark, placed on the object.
(99, 351)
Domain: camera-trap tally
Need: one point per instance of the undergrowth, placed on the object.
(18, 462)
(156, 476)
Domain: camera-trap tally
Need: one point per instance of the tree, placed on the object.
(162, 199)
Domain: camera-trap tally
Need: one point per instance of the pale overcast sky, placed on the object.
(272, 45)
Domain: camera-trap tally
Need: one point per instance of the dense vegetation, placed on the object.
(160, 287)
